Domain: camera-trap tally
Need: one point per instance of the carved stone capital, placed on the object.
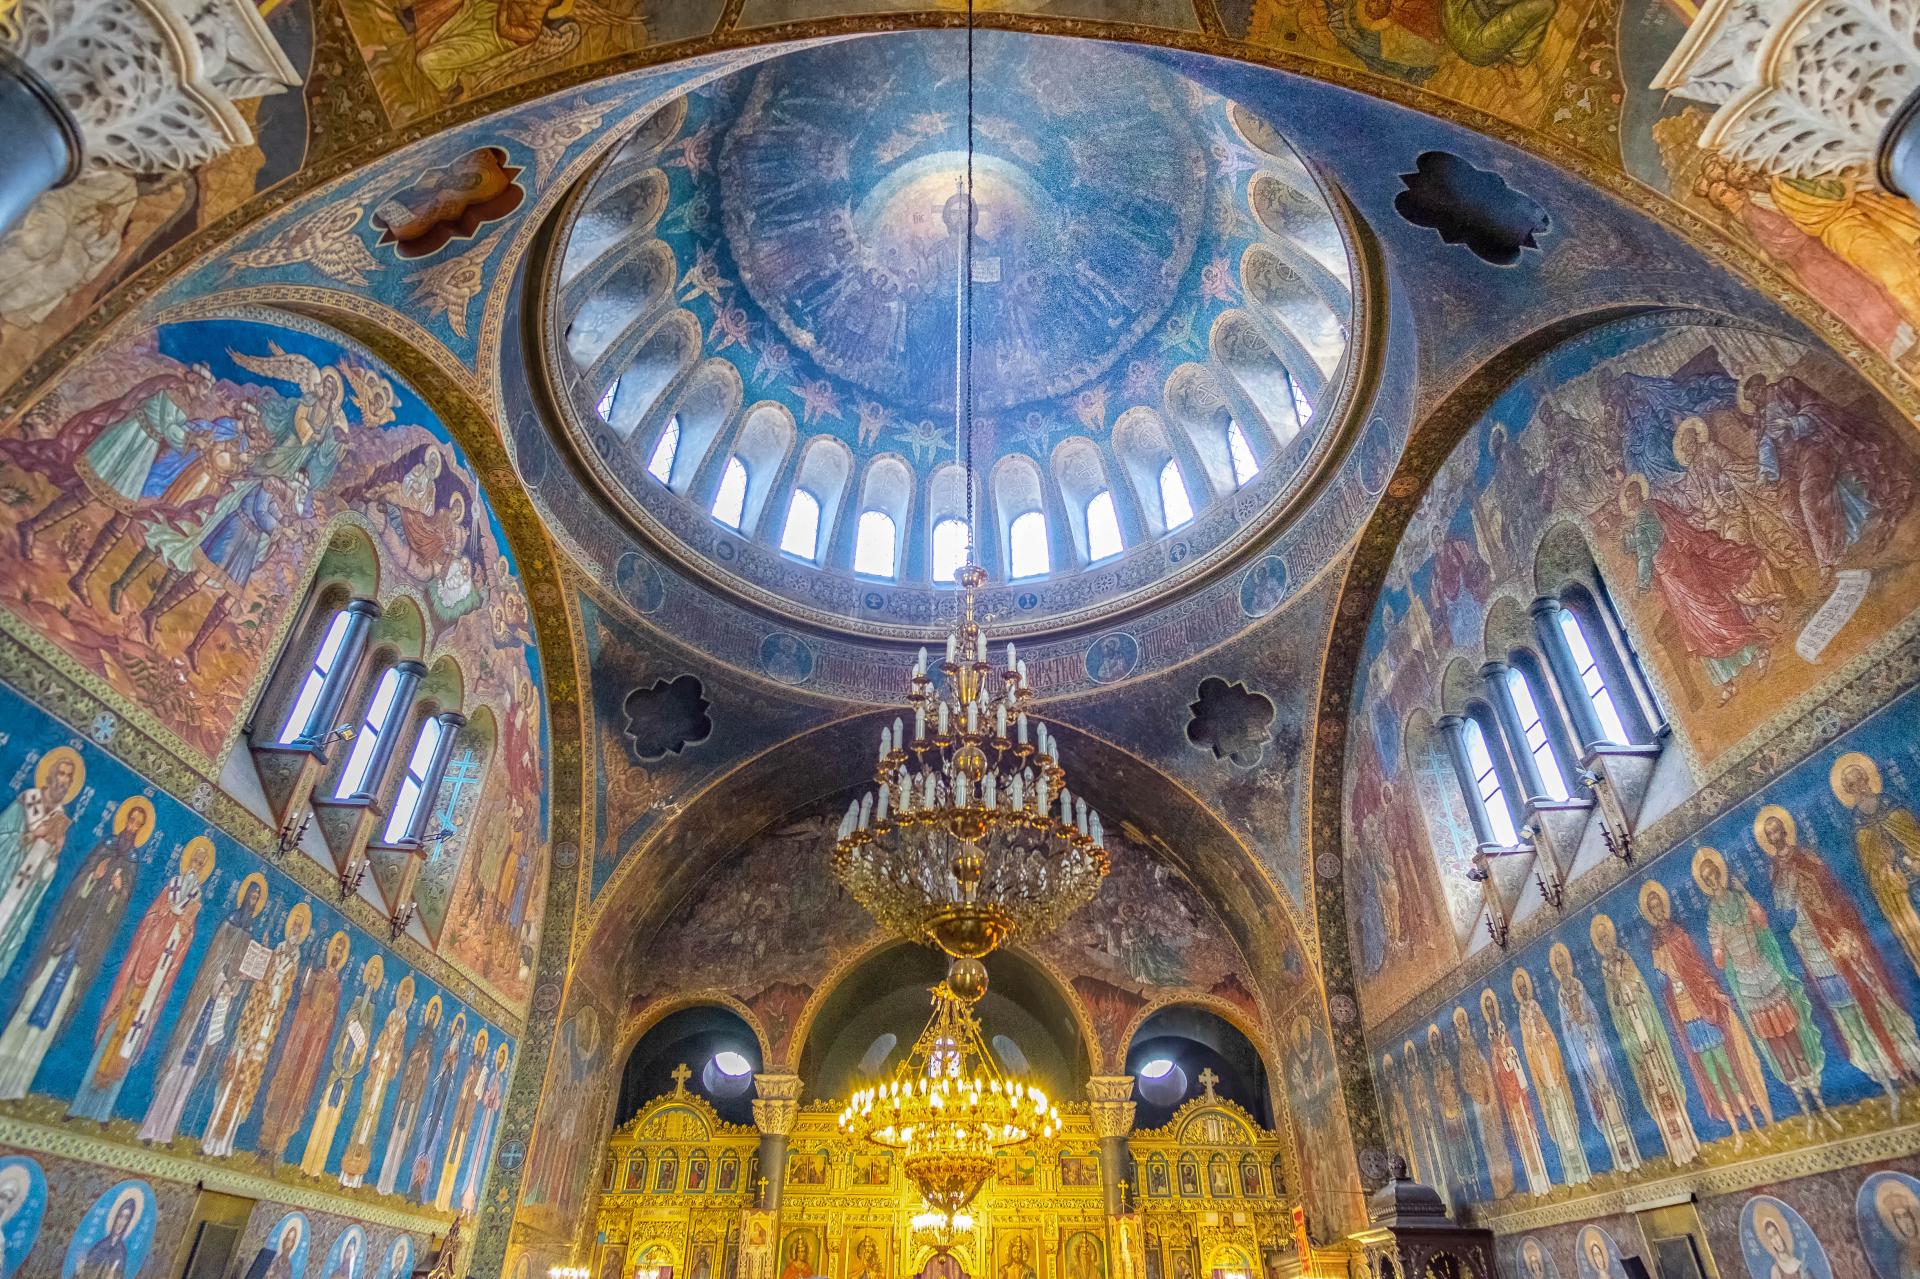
(1802, 88)
(1110, 1104)
(152, 84)
(776, 1103)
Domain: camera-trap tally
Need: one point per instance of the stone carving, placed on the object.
(1804, 88)
(152, 83)
(777, 1103)
(1110, 1103)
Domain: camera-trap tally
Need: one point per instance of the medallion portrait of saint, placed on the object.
(1887, 1215)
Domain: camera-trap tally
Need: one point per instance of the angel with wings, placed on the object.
(321, 406)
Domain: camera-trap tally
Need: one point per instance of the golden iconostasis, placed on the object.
(681, 1192)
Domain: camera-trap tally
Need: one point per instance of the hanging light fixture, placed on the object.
(948, 1108)
(972, 834)
(971, 837)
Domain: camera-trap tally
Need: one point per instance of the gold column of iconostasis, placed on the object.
(682, 1187)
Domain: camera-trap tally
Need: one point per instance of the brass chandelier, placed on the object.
(948, 1108)
(972, 834)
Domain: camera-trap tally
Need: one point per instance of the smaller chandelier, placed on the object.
(948, 1108)
(940, 1231)
(973, 834)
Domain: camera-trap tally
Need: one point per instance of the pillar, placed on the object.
(40, 148)
(1494, 674)
(324, 718)
(1573, 689)
(776, 1104)
(407, 677)
(1110, 1103)
(145, 86)
(1453, 732)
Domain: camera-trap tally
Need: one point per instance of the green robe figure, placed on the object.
(1771, 999)
(1643, 1038)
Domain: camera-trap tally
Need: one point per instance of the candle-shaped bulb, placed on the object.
(1040, 796)
(880, 809)
(953, 648)
(1021, 724)
(920, 667)
(943, 719)
(899, 734)
(1080, 814)
(1066, 807)
(929, 797)
(961, 788)
(886, 742)
(973, 717)
(920, 723)
(1098, 835)
(980, 647)
(991, 791)
(866, 810)
(1000, 721)
(1010, 665)
(1019, 791)
(1022, 668)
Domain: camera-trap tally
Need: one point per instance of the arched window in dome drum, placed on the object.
(1244, 465)
(1103, 528)
(1534, 727)
(1488, 792)
(1174, 502)
(949, 550)
(731, 498)
(665, 449)
(1027, 554)
(801, 536)
(825, 472)
(605, 406)
(873, 544)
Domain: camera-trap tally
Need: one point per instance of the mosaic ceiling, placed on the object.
(771, 265)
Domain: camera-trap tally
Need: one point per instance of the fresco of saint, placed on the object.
(1839, 957)
(383, 1062)
(1549, 1070)
(256, 1033)
(152, 963)
(1590, 1053)
(201, 1030)
(1887, 839)
(33, 833)
(1477, 1082)
(406, 1103)
(70, 954)
(296, 1068)
(1453, 1117)
(1770, 997)
(1515, 1095)
(1726, 1070)
(349, 1058)
(1643, 1038)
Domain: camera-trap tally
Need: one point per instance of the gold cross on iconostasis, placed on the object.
(1207, 1080)
(680, 1076)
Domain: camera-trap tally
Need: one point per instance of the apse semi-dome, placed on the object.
(750, 329)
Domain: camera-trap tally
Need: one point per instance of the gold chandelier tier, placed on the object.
(972, 834)
(948, 1108)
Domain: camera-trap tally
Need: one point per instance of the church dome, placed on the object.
(750, 327)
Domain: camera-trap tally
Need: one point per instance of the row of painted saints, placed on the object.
(1482, 1111)
(274, 1025)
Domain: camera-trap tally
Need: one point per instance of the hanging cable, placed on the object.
(964, 370)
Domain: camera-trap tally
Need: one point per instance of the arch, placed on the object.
(1267, 369)
(704, 405)
(886, 488)
(887, 955)
(1017, 491)
(946, 501)
(1079, 474)
(1141, 447)
(1284, 297)
(660, 359)
(762, 444)
(644, 1019)
(623, 211)
(826, 467)
(695, 1029)
(612, 311)
(1290, 209)
(348, 569)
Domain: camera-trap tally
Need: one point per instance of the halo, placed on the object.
(1853, 759)
(1688, 428)
(1628, 485)
(1707, 855)
(500, 1055)
(1559, 951)
(479, 1041)
(1601, 923)
(1891, 1189)
(1488, 997)
(431, 1013)
(1786, 819)
(1521, 980)
(240, 892)
(16, 1176)
(1651, 890)
(130, 1195)
(128, 805)
(300, 917)
(341, 945)
(1764, 1212)
(198, 857)
(43, 771)
(299, 1224)
(1460, 1017)
(374, 972)
(403, 993)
